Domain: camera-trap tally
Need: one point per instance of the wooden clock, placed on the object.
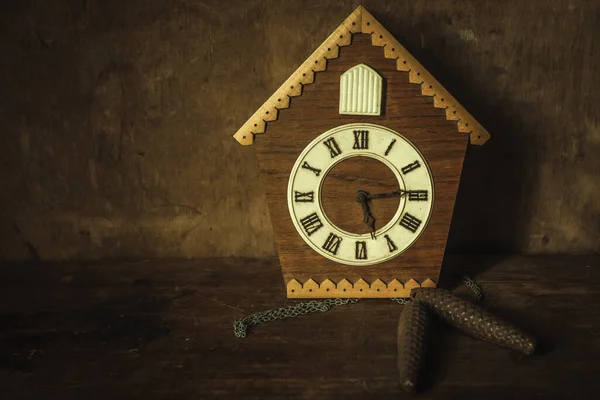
(361, 152)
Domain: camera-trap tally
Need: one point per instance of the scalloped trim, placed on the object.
(360, 288)
(360, 21)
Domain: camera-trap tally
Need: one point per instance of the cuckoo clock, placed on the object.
(361, 152)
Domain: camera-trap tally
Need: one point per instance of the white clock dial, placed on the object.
(308, 175)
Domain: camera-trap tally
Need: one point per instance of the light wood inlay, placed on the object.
(358, 289)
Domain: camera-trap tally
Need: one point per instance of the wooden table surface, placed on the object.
(163, 329)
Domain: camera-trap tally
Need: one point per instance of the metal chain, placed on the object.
(402, 301)
(474, 287)
(241, 326)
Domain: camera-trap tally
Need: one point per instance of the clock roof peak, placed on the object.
(360, 21)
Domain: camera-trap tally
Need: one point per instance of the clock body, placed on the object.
(409, 174)
(406, 113)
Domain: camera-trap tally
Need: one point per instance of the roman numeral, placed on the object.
(391, 245)
(300, 197)
(361, 250)
(411, 167)
(332, 244)
(361, 140)
(417, 195)
(333, 147)
(311, 223)
(307, 166)
(410, 222)
(392, 143)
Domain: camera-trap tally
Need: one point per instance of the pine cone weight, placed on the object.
(474, 320)
(412, 329)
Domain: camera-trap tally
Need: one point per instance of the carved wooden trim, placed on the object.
(360, 288)
(360, 21)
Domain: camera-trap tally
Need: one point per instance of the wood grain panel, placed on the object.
(339, 188)
(407, 112)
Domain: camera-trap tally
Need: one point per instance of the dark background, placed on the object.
(117, 119)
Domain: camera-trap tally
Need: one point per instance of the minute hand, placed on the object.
(397, 193)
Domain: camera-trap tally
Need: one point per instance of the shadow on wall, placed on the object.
(499, 181)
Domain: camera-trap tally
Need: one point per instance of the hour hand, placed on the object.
(368, 219)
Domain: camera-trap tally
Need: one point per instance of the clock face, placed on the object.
(414, 192)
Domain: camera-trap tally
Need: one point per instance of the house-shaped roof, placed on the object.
(360, 21)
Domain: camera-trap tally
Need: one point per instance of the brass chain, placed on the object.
(241, 326)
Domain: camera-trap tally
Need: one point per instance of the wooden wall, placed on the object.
(117, 119)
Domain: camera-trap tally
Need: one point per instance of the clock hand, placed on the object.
(397, 193)
(368, 219)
